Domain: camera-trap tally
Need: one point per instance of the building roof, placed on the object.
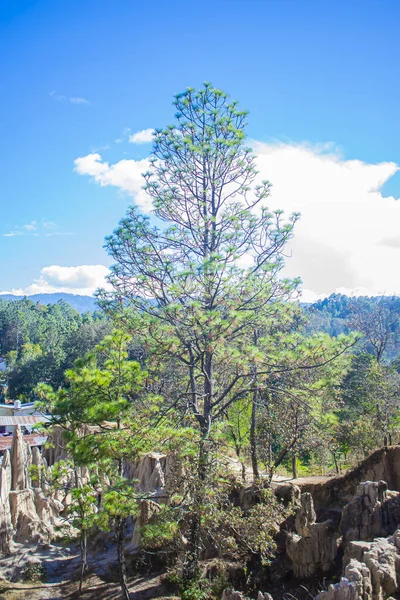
(32, 439)
(22, 420)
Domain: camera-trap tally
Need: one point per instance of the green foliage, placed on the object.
(203, 293)
(102, 416)
(104, 423)
(102, 393)
(40, 342)
(240, 534)
(336, 313)
(33, 572)
(370, 412)
(80, 510)
(194, 304)
(162, 530)
(238, 418)
(197, 589)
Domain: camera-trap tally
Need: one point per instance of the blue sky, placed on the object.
(321, 82)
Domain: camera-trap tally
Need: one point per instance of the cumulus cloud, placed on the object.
(125, 175)
(83, 279)
(344, 217)
(348, 234)
(144, 136)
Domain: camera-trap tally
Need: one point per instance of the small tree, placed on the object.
(105, 423)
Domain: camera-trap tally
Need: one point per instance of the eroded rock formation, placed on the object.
(372, 571)
(314, 547)
(29, 510)
(26, 513)
(355, 585)
(371, 562)
(147, 509)
(373, 512)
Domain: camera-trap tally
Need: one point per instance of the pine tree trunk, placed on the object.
(242, 464)
(83, 545)
(253, 441)
(335, 462)
(294, 465)
(253, 422)
(120, 530)
(243, 472)
(191, 564)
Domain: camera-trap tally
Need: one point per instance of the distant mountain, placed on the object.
(80, 303)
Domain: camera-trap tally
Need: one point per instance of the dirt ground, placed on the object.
(94, 589)
(61, 572)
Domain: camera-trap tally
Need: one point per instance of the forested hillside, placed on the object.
(39, 342)
(376, 316)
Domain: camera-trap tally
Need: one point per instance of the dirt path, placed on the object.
(313, 479)
(61, 569)
(140, 589)
(235, 465)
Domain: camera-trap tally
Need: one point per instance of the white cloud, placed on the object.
(245, 261)
(78, 100)
(59, 97)
(59, 234)
(125, 174)
(391, 242)
(348, 235)
(72, 99)
(311, 296)
(84, 280)
(28, 228)
(32, 226)
(45, 227)
(145, 136)
(339, 242)
(49, 224)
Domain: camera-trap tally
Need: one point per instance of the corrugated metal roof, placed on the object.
(23, 420)
(32, 439)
